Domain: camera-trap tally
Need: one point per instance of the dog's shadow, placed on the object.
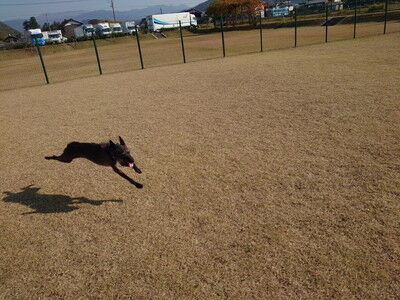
(48, 203)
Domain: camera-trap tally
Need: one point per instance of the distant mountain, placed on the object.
(5, 30)
(203, 6)
(15, 23)
(133, 14)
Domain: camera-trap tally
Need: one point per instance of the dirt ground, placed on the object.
(121, 55)
(270, 175)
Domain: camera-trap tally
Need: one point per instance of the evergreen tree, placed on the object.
(33, 23)
(46, 27)
(55, 26)
(30, 24)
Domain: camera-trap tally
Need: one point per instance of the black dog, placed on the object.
(106, 154)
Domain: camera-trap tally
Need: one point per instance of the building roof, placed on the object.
(10, 38)
(71, 22)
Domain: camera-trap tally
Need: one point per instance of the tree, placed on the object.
(50, 27)
(46, 27)
(26, 24)
(232, 9)
(55, 26)
(30, 24)
(34, 23)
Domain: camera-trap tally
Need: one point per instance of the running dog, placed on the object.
(105, 154)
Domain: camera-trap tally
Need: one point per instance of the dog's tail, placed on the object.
(51, 157)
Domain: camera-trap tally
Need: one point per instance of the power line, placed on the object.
(40, 3)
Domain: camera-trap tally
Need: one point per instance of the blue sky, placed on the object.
(16, 9)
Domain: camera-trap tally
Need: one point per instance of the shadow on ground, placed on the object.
(48, 203)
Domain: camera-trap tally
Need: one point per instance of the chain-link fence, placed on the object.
(224, 36)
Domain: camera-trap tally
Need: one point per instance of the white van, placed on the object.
(116, 27)
(129, 27)
(85, 30)
(103, 29)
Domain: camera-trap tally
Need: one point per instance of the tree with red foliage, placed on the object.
(232, 9)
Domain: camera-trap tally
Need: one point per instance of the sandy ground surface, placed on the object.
(117, 55)
(272, 175)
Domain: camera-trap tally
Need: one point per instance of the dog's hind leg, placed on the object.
(61, 158)
(65, 157)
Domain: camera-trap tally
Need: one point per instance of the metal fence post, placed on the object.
(97, 54)
(42, 61)
(139, 49)
(326, 22)
(223, 38)
(261, 34)
(295, 27)
(386, 10)
(355, 19)
(183, 46)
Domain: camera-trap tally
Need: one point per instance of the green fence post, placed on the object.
(386, 10)
(42, 61)
(223, 38)
(183, 46)
(295, 27)
(97, 53)
(261, 34)
(139, 49)
(355, 20)
(326, 22)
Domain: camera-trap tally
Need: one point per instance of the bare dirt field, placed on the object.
(272, 175)
(21, 68)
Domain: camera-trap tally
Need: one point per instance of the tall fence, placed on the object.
(226, 36)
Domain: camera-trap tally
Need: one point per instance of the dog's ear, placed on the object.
(112, 145)
(121, 141)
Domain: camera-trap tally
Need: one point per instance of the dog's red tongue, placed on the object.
(131, 165)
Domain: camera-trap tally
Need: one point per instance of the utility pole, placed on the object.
(112, 6)
(47, 22)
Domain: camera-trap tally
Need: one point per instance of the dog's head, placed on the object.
(122, 155)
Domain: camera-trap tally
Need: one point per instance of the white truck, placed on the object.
(158, 22)
(116, 27)
(85, 30)
(103, 29)
(54, 37)
(129, 27)
(35, 37)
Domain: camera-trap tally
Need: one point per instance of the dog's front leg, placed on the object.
(122, 174)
